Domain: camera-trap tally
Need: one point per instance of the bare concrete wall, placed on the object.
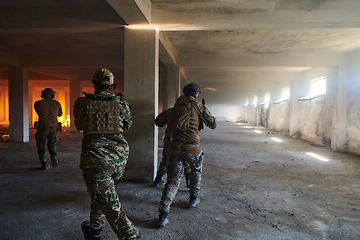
(315, 118)
(251, 113)
(264, 115)
(282, 117)
(354, 105)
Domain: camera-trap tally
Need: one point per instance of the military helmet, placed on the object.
(191, 89)
(48, 91)
(103, 76)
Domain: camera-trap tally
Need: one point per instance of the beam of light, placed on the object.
(239, 123)
(317, 156)
(234, 121)
(209, 88)
(166, 27)
(246, 127)
(142, 27)
(276, 139)
(257, 131)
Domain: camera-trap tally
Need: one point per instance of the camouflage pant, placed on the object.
(175, 169)
(41, 136)
(105, 201)
(163, 166)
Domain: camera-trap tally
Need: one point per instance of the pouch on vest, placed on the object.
(103, 117)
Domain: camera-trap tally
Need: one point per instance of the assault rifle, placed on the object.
(201, 122)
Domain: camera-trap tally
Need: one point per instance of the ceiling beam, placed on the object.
(74, 61)
(167, 52)
(9, 59)
(134, 12)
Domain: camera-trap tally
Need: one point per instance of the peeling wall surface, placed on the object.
(252, 114)
(354, 106)
(264, 115)
(309, 120)
(315, 118)
(282, 117)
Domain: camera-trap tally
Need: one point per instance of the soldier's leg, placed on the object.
(187, 173)
(126, 227)
(40, 137)
(162, 168)
(195, 161)
(174, 173)
(97, 218)
(106, 202)
(51, 144)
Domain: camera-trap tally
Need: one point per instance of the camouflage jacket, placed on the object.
(184, 119)
(102, 151)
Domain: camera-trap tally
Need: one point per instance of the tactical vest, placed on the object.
(184, 121)
(103, 116)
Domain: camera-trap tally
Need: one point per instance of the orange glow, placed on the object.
(65, 121)
(4, 103)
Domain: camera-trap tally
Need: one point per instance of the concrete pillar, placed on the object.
(294, 108)
(18, 104)
(339, 129)
(260, 98)
(75, 93)
(162, 86)
(275, 95)
(172, 86)
(141, 82)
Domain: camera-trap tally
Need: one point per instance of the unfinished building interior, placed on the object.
(282, 77)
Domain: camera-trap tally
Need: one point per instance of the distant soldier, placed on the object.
(160, 121)
(104, 117)
(183, 122)
(48, 109)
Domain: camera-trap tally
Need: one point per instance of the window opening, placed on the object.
(267, 97)
(285, 93)
(318, 86)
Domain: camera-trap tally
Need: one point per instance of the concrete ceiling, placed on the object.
(233, 46)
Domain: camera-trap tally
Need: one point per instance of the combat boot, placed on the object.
(89, 232)
(54, 161)
(187, 179)
(43, 163)
(158, 182)
(163, 220)
(194, 200)
(129, 234)
(44, 166)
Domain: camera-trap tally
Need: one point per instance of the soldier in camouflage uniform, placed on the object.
(160, 121)
(104, 117)
(184, 147)
(48, 109)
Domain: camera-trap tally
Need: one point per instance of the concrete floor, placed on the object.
(252, 188)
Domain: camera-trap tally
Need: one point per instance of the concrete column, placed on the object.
(75, 93)
(260, 98)
(275, 95)
(18, 104)
(339, 129)
(141, 82)
(172, 86)
(246, 113)
(163, 72)
(294, 108)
